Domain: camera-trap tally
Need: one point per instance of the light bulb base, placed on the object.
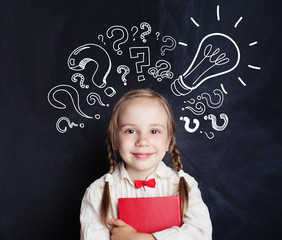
(179, 88)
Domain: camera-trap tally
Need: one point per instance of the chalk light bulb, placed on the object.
(208, 62)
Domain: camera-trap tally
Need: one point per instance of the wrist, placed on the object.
(144, 236)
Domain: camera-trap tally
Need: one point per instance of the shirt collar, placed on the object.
(162, 171)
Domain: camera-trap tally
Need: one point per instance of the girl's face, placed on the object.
(142, 137)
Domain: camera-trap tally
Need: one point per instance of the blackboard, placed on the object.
(63, 64)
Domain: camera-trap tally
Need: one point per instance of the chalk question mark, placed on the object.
(126, 70)
(80, 76)
(73, 94)
(70, 124)
(213, 119)
(101, 38)
(169, 47)
(144, 25)
(121, 40)
(93, 97)
(142, 53)
(136, 30)
(91, 52)
(161, 70)
(211, 136)
(187, 123)
(157, 35)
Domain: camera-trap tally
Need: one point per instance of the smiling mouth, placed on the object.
(142, 155)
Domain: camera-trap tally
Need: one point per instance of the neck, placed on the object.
(138, 175)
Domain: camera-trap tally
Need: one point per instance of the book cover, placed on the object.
(152, 214)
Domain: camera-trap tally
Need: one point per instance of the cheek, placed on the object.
(123, 142)
(162, 143)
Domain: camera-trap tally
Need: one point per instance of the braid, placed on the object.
(112, 157)
(106, 203)
(183, 185)
(175, 155)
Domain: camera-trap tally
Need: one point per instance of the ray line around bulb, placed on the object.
(223, 89)
(253, 43)
(217, 13)
(243, 83)
(236, 24)
(193, 20)
(254, 67)
(183, 44)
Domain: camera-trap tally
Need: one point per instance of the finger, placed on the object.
(119, 223)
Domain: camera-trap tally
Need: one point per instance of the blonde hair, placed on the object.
(114, 157)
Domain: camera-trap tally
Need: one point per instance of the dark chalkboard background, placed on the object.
(44, 173)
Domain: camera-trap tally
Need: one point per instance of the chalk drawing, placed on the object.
(125, 69)
(187, 127)
(111, 32)
(239, 20)
(168, 47)
(93, 97)
(145, 25)
(70, 124)
(81, 56)
(80, 76)
(110, 91)
(134, 29)
(193, 20)
(217, 13)
(72, 93)
(208, 57)
(241, 81)
(211, 136)
(214, 124)
(161, 70)
(101, 38)
(142, 54)
(157, 35)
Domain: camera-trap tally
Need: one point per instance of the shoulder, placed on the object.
(174, 177)
(95, 189)
(190, 180)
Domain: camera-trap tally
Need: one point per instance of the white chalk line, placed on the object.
(193, 20)
(223, 89)
(236, 24)
(217, 13)
(243, 83)
(253, 43)
(183, 44)
(254, 67)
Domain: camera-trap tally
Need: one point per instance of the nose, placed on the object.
(142, 140)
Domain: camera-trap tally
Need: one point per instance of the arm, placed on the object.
(91, 226)
(123, 231)
(196, 222)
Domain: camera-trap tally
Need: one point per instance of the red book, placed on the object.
(152, 214)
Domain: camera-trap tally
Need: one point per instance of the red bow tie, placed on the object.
(150, 183)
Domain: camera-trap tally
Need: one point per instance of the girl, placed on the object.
(140, 132)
